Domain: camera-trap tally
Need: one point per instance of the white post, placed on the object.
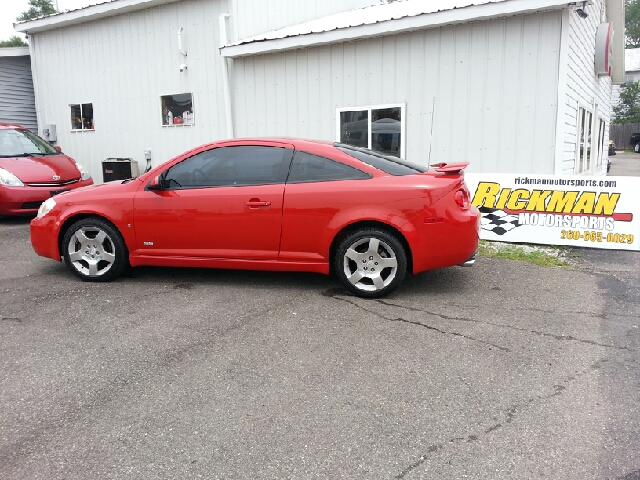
(225, 76)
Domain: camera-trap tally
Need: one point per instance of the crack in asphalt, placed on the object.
(419, 324)
(508, 416)
(511, 327)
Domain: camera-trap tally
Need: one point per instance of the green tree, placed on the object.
(37, 8)
(14, 41)
(632, 23)
(628, 109)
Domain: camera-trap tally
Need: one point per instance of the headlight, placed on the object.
(46, 207)
(9, 179)
(83, 172)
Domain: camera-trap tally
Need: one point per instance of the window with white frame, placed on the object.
(177, 109)
(601, 142)
(380, 128)
(583, 145)
(82, 116)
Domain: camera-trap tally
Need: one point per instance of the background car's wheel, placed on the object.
(371, 262)
(94, 250)
(636, 148)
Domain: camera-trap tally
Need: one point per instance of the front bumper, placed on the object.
(27, 200)
(44, 236)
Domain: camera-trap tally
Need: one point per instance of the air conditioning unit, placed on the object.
(119, 169)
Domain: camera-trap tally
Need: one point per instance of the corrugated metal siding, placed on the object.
(493, 83)
(122, 65)
(375, 13)
(251, 17)
(17, 101)
(584, 87)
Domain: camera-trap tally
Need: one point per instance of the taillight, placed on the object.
(462, 198)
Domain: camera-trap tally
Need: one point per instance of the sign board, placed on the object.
(596, 212)
(604, 49)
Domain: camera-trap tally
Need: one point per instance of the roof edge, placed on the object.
(14, 52)
(86, 14)
(391, 27)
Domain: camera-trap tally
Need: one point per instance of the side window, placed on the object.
(312, 168)
(228, 166)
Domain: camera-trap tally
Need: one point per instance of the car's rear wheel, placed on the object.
(94, 250)
(371, 262)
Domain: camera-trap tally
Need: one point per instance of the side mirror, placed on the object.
(155, 184)
(57, 147)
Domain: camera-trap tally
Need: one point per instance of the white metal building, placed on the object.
(509, 85)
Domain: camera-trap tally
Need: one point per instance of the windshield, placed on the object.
(386, 163)
(23, 143)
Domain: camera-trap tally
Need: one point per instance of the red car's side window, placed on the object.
(307, 168)
(229, 166)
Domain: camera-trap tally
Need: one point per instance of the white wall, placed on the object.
(582, 86)
(251, 17)
(494, 85)
(122, 65)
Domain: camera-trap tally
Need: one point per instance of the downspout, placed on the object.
(35, 79)
(561, 108)
(225, 76)
(180, 49)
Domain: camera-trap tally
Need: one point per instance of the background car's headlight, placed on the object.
(46, 207)
(9, 179)
(83, 171)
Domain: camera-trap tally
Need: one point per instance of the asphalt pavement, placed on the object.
(501, 371)
(625, 165)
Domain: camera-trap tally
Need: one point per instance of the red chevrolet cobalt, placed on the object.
(31, 171)
(269, 204)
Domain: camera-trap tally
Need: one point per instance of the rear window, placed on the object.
(388, 164)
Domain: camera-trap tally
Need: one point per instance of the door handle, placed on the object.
(256, 203)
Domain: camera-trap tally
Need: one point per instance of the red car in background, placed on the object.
(31, 171)
(269, 204)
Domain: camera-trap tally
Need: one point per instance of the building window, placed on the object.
(380, 128)
(601, 143)
(177, 109)
(82, 116)
(583, 147)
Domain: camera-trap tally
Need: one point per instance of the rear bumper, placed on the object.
(452, 242)
(26, 200)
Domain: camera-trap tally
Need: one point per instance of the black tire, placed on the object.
(94, 250)
(360, 263)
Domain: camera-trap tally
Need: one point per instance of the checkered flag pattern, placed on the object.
(496, 221)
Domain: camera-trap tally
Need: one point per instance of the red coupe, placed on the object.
(269, 204)
(31, 171)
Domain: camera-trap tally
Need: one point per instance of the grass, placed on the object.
(543, 256)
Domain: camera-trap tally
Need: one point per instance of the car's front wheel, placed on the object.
(371, 262)
(94, 250)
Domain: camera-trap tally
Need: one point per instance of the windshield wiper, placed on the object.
(17, 155)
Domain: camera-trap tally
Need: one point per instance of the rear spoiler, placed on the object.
(450, 168)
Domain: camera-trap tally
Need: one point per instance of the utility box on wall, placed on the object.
(119, 169)
(49, 133)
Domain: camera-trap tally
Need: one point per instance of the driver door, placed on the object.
(225, 202)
